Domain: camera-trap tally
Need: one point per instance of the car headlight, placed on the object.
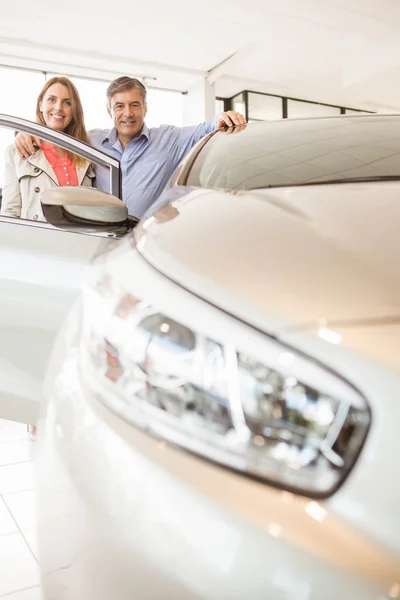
(275, 414)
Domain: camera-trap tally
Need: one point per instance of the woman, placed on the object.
(59, 107)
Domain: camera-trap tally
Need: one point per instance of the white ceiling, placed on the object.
(339, 51)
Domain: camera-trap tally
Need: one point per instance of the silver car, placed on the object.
(221, 409)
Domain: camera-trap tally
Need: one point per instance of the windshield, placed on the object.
(307, 151)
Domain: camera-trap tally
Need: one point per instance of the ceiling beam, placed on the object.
(219, 70)
(40, 51)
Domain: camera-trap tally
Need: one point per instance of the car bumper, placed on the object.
(122, 516)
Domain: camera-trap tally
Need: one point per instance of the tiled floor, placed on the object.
(19, 572)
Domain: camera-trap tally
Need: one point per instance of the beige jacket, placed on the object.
(26, 178)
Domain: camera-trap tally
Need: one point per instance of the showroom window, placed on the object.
(164, 107)
(262, 107)
(219, 105)
(298, 109)
(238, 103)
(18, 98)
(259, 106)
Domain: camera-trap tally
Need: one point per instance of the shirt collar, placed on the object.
(112, 135)
(145, 131)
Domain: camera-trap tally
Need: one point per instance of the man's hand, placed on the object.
(234, 130)
(26, 145)
(230, 118)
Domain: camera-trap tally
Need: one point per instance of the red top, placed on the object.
(63, 167)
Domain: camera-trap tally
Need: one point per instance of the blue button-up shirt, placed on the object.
(148, 161)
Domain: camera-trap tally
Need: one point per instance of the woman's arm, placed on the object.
(11, 203)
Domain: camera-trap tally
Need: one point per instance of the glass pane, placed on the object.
(238, 104)
(284, 152)
(22, 88)
(25, 180)
(299, 109)
(93, 98)
(164, 107)
(219, 106)
(263, 107)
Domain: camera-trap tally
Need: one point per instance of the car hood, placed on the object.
(322, 257)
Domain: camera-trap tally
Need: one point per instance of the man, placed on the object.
(148, 156)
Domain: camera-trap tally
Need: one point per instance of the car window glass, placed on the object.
(285, 152)
(27, 180)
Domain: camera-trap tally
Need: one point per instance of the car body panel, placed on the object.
(370, 497)
(40, 274)
(173, 526)
(379, 384)
(158, 521)
(327, 261)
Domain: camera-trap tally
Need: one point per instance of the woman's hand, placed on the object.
(26, 145)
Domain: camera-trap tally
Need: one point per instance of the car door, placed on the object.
(40, 272)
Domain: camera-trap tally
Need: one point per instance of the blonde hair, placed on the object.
(76, 127)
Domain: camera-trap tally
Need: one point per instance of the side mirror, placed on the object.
(83, 208)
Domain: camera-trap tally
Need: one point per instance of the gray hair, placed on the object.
(126, 83)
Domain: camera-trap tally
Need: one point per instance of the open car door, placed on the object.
(41, 266)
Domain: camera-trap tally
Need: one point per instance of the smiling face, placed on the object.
(56, 107)
(128, 111)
